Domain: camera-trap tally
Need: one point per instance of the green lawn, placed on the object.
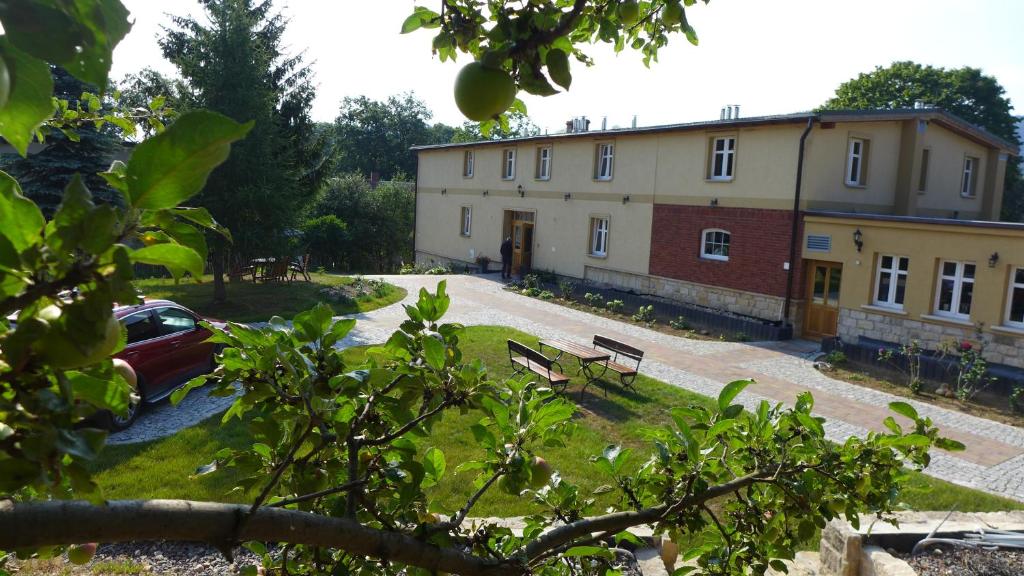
(161, 469)
(249, 302)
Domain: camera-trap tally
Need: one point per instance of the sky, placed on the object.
(767, 56)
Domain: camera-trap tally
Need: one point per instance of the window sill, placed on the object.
(467, 176)
(857, 186)
(884, 309)
(465, 235)
(1011, 330)
(947, 320)
(969, 196)
(503, 179)
(547, 179)
(598, 256)
(713, 180)
(602, 179)
(714, 258)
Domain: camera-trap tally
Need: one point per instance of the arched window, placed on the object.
(715, 244)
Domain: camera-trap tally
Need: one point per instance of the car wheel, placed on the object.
(135, 404)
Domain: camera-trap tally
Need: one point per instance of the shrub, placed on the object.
(645, 314)
(546, 276)
(593, 298)
(438, 270)
(1017, 400)
(546, 295)
(679, 323)
(531, 281)
(741, 337)
(531, 292)
(409, 268)
(912, 353)
(836, 358)
(614, 306)
(566, 289)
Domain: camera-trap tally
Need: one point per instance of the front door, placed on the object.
(522, 246)
(823, 283)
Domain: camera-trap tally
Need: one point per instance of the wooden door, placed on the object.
(522, 246)
(824, 280)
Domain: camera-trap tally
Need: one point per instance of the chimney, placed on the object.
(586, 124)
(634, 121)
(736, 112)
(604, 123)
(569, 124)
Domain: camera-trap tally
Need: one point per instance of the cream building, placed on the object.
(714, 213)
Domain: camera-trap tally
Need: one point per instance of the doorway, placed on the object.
(522, 246)
(824, 280)
(519, 226)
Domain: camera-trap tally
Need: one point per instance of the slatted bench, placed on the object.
(627, 374)
(525, 359)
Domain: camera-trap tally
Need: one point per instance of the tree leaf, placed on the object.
(22, 221)
(577, 551)
(558, 67)
(434, 465)
(730, 391)
(178, 395)
(175, 257)
(171, 167)
(105, 394)
(412, 23)
(30, 102)
(949, 444)
(201, 217)
(433, 352)
(904, 409)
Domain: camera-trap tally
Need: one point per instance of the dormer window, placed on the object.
(723, 154)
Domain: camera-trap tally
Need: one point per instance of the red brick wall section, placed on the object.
(759, 246)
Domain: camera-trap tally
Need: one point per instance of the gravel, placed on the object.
(167, 558)
(968, 562)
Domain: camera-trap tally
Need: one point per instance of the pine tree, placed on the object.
(233, 63)
(50, 166)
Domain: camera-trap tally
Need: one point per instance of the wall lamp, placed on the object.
(567, 196)
(522, 193)
(993, 259)
(714, 201)
(444, 191)
(858, 239)
(486, 192)
(625, 199)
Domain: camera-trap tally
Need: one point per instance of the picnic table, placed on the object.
(584, 355)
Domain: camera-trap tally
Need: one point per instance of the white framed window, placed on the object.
(715, 244)
(543, 163)
(856, 162)
(468, 159)
(605, 161)
(599, 236)
(467, 221)
(970, 176)
(508, 164)
(891, 280)
(723, 153)
(955, 290)
(1015, 299)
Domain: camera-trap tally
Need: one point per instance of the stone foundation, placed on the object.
(999, 348)
(740, 302)
(428, 260)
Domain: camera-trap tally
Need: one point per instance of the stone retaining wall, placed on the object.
(752, 304)
(999, 348)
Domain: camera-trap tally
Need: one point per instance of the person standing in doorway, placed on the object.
(506, 258)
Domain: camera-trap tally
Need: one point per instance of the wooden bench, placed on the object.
(627, 374)
(525, 359)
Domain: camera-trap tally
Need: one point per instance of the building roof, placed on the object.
(937, 115)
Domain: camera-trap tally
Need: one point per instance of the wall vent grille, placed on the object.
(819, 243)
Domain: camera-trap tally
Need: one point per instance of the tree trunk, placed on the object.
(31, 524)
(220, 293)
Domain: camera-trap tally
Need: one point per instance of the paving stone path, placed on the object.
(993, 461)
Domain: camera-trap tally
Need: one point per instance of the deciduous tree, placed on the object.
(967, 92)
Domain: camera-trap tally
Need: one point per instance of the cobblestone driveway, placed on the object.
(993, 461)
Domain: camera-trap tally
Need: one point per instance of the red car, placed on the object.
(166, 346)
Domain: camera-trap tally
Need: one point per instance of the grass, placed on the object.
(59, 567)
(161, 469)
(250, 302)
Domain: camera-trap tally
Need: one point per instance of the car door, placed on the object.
(188, 353)
(143, 351)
